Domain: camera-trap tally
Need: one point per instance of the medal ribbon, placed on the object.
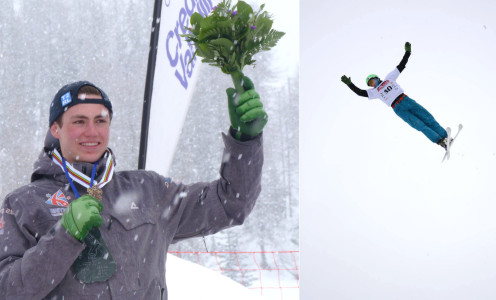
(81, 178)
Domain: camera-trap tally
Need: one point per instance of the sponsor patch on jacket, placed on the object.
(2, 223)
(7, 211)
(3, 211)
(58, 199)
(57, 212)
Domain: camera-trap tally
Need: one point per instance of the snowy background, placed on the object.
(381, 217)
(43, 47)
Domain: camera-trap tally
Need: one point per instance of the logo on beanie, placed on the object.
(66, 99)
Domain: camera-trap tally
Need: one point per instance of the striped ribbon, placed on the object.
(82, 178)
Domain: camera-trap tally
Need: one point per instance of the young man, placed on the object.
(59, 242)
(406, 108)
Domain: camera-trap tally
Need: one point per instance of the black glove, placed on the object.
(346, 80)
(408, 47)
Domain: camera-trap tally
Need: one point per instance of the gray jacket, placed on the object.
(143, 214)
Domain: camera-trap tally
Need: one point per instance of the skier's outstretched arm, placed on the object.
(408, 51)
(354, 88)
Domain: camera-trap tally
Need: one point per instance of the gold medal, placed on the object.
(95, 192)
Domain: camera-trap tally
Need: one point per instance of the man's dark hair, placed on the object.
(88, 89)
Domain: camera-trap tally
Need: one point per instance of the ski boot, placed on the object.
(443, 142)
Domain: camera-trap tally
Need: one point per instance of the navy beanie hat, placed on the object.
(67, 96)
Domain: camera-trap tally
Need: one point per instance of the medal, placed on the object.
(95, 192)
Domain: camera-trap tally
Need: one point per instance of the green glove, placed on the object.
(82, 215)
(408, 47)
(346, 80)
(246, 111)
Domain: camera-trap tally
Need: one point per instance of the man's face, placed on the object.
(373, 82)
(85, 131)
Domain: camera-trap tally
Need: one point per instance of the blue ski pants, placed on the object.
(419, 118)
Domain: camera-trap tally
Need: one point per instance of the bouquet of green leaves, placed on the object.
(230, 36)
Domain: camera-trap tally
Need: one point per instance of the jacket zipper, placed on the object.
(110, 223)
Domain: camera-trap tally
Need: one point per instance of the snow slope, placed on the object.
(190, 281)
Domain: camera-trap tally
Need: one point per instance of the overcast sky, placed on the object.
(380, 216)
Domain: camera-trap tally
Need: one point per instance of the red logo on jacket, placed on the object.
(58, 199)
(2, 223)
(382, 85)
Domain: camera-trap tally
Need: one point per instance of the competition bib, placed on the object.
(389, 90)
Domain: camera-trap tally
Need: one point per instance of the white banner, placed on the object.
(174, 81)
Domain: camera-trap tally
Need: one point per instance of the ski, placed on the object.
(448, 145)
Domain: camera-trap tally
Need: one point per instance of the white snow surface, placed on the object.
(190, 281)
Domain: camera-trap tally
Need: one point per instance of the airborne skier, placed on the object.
(406, 108)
